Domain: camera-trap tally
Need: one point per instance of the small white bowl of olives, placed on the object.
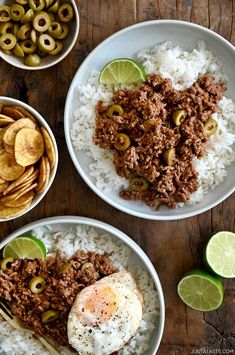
(37, 34)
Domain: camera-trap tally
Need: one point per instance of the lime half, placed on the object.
(122, 71)
(220, 254)
(25, 247)
(201, 291)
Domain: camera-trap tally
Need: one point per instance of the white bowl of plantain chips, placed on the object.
(28, 158)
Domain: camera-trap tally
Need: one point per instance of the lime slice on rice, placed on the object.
(122, 71)
(25, 247)
(201, 291)
(219, 254)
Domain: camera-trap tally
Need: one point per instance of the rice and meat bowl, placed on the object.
(97, 256)
(185, 81)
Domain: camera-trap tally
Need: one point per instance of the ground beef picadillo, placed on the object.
(60, 291)
(155, 102)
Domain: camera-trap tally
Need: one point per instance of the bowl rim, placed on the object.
(71, 150)
(58, 57)
(117, 234)
(39, 118)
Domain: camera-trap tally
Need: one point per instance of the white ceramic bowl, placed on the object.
(9, 101)
(126, 43)
(51, 60)
(137, 257)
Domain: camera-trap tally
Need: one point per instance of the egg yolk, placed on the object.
(98, 305)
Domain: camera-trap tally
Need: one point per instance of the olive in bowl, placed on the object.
(37, 34)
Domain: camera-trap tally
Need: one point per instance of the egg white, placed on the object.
(105, 315)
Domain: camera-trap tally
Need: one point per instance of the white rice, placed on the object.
(183, 68)
(15, 342)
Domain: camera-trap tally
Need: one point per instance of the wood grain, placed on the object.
(174, 247)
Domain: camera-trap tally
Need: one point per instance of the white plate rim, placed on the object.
(71, 150)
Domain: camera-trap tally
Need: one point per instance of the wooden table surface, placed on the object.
(173, 247)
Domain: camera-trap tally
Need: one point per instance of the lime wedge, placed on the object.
(122, 71)
(201, 291)
(220, 254)
(25, 247)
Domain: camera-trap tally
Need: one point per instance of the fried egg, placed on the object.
(105, 315)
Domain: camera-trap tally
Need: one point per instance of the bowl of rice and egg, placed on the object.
(134, 287)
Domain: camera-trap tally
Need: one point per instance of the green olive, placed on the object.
(49, 316)
(15, 29)
(7, 52)
(18, 51)
(52, 16)
(42, 54)
(58, 48)
(17, 12)
(32, 60)
(122, 142)
(210, 126)
(179, 117)
(41, 21)
(55, 29)
(150, 123)
(139, 183)
(169, 156)
(65, 31)
(63, 268)
(37, 5)
(34, 36)
(6, 263)
(46, 43)
(7, 27)
(22, 2)
(65, 13)
(49, 2)
(28, 17)
(7, 41)
(55, 7)
(86, 266)
(5, 13)
(28, 46)
(24, 32)
(37, 284)
(115, 110)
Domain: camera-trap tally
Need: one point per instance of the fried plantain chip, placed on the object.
(29, 146)
(12, 112)
(3, 151)
(8, 212)
(49, 146)
(26, 183)
(1, 145)
(9, 148)
(23, 200)
(16, 195)
(3, 186)
(5, 120)
(14, 128)
(42, 174)
(25, 113)
(2, 181)
(2, 132)
(48, 173)
(9, 168)
(22, 179)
